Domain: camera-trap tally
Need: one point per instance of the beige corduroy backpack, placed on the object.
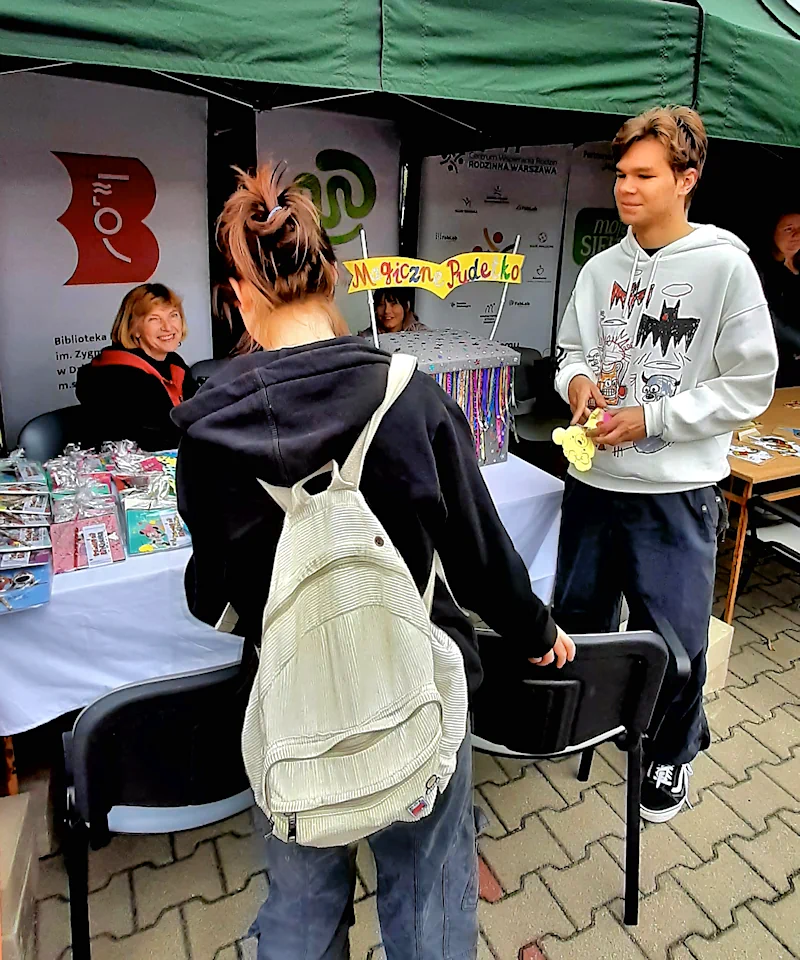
(359, 705)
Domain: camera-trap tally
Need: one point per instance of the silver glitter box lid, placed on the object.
(444, 351)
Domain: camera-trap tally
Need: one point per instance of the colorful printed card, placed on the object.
(21, 476)
(152, 530)
(24, 538)
(15, 503)
(9, 519)
(750, 455)
(27, 558)
(25, 588)
(786, 448)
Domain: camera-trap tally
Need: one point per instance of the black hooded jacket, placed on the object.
(124, 402)
(280, 416)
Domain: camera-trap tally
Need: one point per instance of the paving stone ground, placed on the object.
(720, 881)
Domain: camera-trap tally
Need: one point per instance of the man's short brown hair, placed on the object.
(680, 129)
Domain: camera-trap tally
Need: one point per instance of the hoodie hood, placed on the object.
(702, 237)
(289, 412)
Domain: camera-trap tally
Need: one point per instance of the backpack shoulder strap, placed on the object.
(401, 370)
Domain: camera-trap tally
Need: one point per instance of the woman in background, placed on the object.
(130, 388)
(780, 274)
(393, 313)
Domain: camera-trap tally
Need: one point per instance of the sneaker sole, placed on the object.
(661, 816)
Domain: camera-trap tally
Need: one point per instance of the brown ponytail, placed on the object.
(273, 238)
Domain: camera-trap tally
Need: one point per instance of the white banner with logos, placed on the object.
(103, 187)
(354, 165)
(480, 201)
(592, 223)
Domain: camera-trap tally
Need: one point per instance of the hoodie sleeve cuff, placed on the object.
(546, 641)
(654, 418)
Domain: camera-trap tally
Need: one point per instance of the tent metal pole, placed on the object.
(308, 103)
(439, 113)
(44, 66)
(207, 90)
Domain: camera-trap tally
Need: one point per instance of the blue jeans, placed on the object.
(427, 887)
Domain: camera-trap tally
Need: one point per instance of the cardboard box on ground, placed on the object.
(720, 637)
(19, 866)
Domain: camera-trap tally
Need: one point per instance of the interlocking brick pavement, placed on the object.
(721, 881)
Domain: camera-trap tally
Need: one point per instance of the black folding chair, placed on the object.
(773, 532)
(204, 369)
(610, 692)
(153, 757)
(45, 436)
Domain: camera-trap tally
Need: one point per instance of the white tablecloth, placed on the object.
(129, 622)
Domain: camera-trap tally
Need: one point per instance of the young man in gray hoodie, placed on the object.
(670, 333)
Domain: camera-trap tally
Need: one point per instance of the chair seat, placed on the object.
(785, 534)
(129, 819)
(486, 746)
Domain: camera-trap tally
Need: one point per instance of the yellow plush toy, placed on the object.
(577, 445)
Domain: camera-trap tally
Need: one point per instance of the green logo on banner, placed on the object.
(596, 229)
(341, 160)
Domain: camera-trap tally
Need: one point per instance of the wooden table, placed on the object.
(779, 471)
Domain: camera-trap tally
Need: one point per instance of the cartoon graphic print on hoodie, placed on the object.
(687, 335)
(281, 415)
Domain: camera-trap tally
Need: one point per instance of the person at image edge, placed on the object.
(670, 333)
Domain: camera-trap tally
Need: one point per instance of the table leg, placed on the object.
(10, 768)
(738, 553)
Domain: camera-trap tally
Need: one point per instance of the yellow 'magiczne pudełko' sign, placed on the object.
(376, 273)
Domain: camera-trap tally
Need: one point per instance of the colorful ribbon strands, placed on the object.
(484, 396)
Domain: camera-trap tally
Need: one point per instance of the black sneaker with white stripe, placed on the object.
(665, 789)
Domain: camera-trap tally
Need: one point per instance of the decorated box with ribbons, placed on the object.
(475, 372)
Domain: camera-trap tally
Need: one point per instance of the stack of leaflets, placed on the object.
(25, 545)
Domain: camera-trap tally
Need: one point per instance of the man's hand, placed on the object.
(624, 426)
(563, 651)
(584, 396)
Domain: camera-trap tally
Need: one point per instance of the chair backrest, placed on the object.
(172, 742)
(525, 379)
(204, 369)
(45, 436)
(613, 683)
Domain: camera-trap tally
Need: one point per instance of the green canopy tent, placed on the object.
(750, 70)
(739, 60)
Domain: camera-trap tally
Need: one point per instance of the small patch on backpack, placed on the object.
(418, 807)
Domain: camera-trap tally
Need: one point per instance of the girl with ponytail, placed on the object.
(279, 414)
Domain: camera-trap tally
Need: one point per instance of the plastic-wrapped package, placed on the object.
(86, 528)
(152, 522)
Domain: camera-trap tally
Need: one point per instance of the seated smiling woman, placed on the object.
(130, 388)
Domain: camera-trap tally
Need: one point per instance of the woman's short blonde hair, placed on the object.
(137, 303)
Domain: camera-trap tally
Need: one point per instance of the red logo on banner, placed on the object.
(111, 196)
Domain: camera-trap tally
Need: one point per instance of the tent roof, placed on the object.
(750, 71)
(615, 57)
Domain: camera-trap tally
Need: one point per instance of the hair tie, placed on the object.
(273, 211)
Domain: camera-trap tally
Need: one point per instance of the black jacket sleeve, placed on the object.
(484, 571)
(235, 528)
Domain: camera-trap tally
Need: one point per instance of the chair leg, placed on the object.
(751, 561)
(77, 863)
(632, 838)
(585, 769)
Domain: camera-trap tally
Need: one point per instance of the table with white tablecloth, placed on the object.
(129, 622)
